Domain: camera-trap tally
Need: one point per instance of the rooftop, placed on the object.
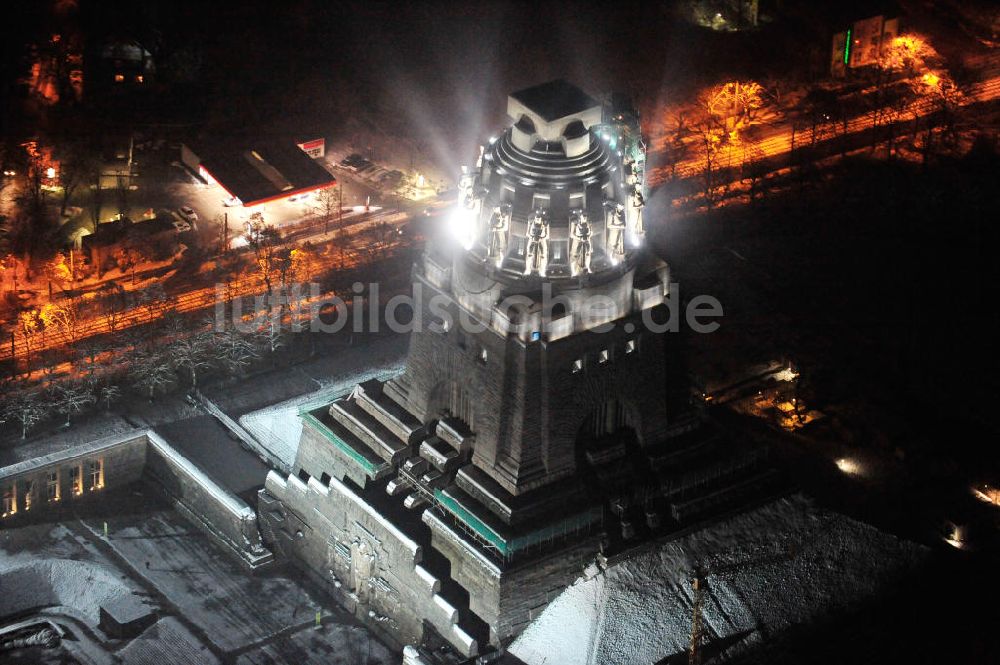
(555, 99)
(264, 171)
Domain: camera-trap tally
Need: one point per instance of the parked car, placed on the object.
(188, 213)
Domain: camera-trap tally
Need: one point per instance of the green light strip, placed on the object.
(477, 525)
(847, 47)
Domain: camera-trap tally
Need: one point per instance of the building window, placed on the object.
(10, 500)
(29, 494)
(578, 365)
(138, 78)
(630, 346)
(483, 356)
(52, 485)
(325, 478)
(604, 356)
(119, 78)
(76, 480)
(304, 475)
(96, 471)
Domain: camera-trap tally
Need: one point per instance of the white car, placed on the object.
(188, 213)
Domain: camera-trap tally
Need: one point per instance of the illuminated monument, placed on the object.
(537, 422)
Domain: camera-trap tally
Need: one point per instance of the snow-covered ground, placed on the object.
(780, 565)
(210, 608)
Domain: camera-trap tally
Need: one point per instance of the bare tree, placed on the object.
(29, 325)
(88, 351)
(75, 168)
(234, 350)
(26, 408)
(709, 134)
(328, 200)
(190, 353)
(128, 257)
(61, 319)
(155, 301)
(150, 372)
(70, 400)
(109, 394)
(113, 304)
(265, 241)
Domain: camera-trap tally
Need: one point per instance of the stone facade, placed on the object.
(536, 422)
(83, 472)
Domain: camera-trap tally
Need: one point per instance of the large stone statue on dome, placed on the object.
(536, 253)
(582, 248)
(496, 247)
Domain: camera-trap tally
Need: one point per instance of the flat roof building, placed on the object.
(258, 172)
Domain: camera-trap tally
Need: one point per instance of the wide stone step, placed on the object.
(455, 433)
(370, 431)
(442, 456)
(371, 397)
(352, 448)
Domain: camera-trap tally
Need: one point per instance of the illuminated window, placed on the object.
(630, 346)
(96, 472)
(119, 78)
(10, 500)
(483, 356)
(603, 356)
(52, 486)
(138, 78)
(76, 480)
(578, 365)
(29, 494)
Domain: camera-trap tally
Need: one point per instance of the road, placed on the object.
(200, 297)
(779, 140)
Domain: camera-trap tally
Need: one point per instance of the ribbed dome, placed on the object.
(550, 168)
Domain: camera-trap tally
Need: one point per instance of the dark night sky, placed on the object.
(434, 69)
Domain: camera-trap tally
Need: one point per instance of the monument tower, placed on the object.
(533, 425)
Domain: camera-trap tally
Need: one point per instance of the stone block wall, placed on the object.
(212, 508)
(359, 555)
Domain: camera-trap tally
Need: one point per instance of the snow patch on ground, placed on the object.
(78, 585)
(783, 564)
